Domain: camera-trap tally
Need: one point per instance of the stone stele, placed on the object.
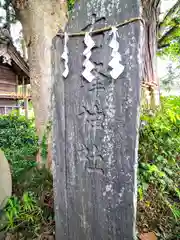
(5, 180)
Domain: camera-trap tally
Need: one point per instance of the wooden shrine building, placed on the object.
(14, 71)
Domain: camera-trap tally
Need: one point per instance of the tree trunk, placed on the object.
(150, 85)
(41, 20)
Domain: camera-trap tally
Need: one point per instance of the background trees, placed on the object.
(169, 32)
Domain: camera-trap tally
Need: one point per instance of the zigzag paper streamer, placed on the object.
(65, 56)
(87, 64)
(117, 68)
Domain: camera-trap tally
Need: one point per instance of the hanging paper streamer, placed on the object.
(117, 68)
(65, 56)
(88, 65)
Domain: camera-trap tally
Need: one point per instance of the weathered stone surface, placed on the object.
(95, 128)
(5, 180)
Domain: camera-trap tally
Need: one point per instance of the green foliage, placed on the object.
(159, 154)
(24, 212)
(17, 132)
(44, 142)
(169, 33)
(71, 4)
(159, 146)
(30, 211)
(19, 142)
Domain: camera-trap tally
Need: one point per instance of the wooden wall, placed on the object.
(9, 90)
(7, 79)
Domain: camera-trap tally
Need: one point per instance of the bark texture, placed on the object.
(150, 13)
(41, 20)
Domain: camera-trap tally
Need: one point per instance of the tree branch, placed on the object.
(170, 13)
(156, 3)
(163, 46)
(167, 34)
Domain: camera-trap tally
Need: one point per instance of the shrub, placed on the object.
(19, 142)
(29, 211)
(159, 154)
(70, 4)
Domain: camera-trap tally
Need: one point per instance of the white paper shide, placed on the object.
(64, 56)
(117, 68)
(87, 64)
